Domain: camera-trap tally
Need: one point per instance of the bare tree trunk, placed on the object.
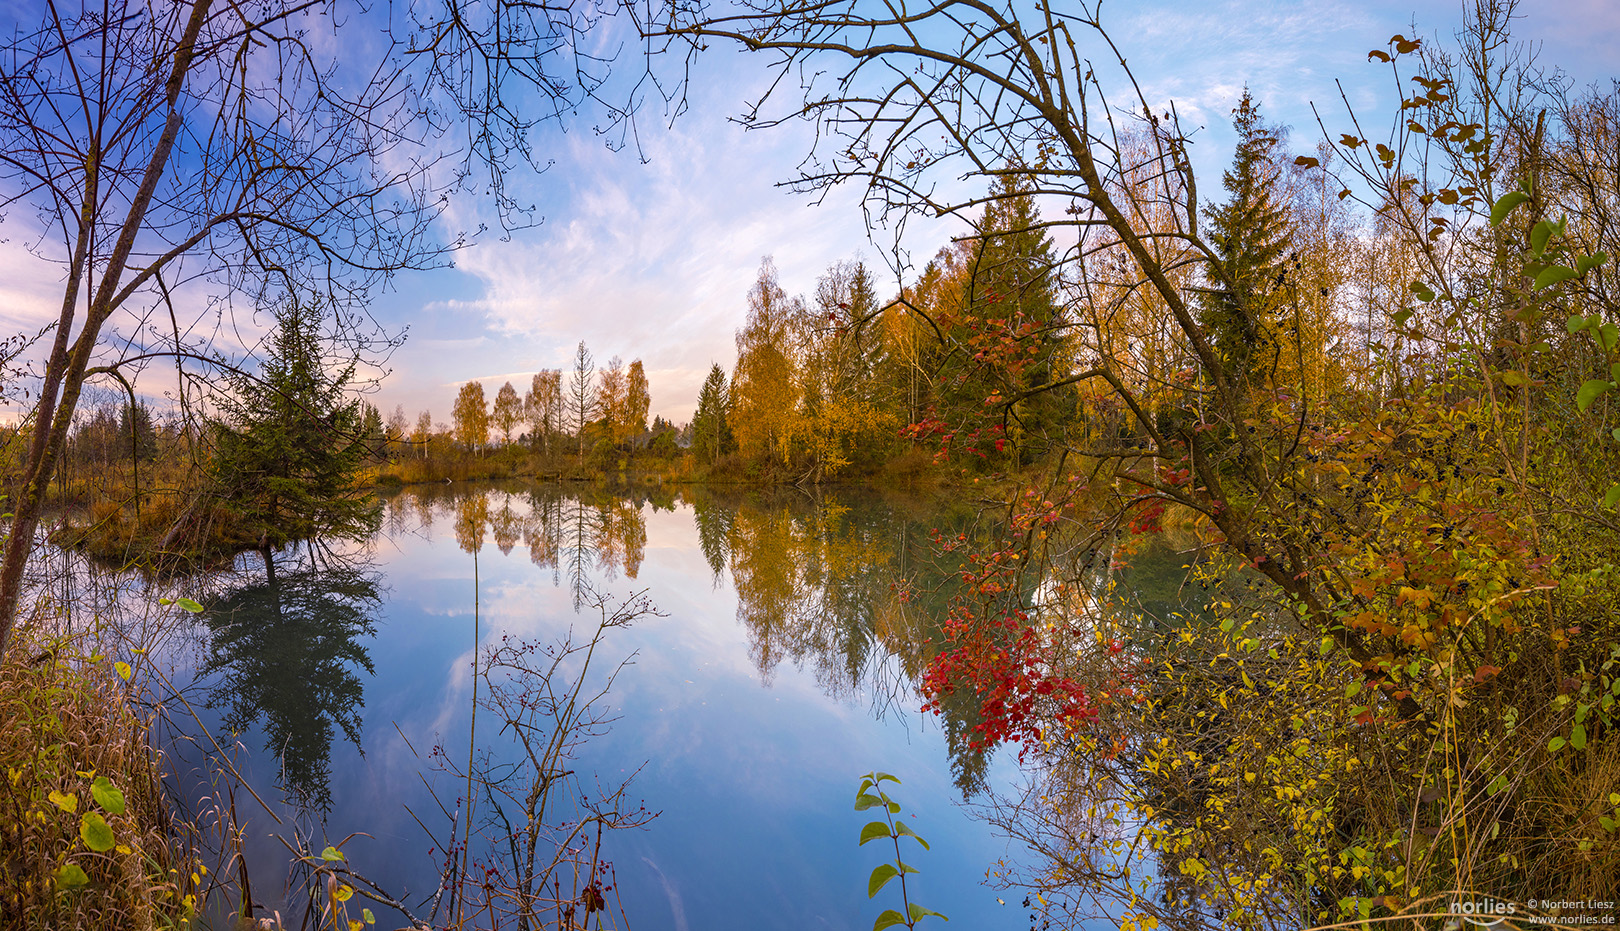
(65, 372)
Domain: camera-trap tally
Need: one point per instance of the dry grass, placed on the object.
(65, 726)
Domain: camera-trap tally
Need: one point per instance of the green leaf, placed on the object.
(1610, 500)
(71, 876)
(908, 868)
(888, 919)
(1552, 275)
(1400, 317)
(186, 604)
(95, 832)
(873, 831)
(901, 827)
(1422, 291)
(1505, 206)
(879, 878)
(866, 800)
(107, 795)
(1555, 745)
(917, 912)
(1514, 378)
(1577, 737)
(1607, 335)
(332, 855)
(1539, 235)
(1586, 263)
(366, 914)
(1589, 392)
(1576, 324)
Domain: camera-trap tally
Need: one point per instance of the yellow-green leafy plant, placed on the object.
(883, 873)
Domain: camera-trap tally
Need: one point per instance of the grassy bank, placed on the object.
(87, 838)
(176, 519)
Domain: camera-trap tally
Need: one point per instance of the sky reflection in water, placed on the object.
(751, 715)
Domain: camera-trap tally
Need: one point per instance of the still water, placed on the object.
(781, 665)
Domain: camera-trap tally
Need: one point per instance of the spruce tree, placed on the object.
(138, 438)
(1006, 335)
(711, 428)
(290, 446)
(1250, 237)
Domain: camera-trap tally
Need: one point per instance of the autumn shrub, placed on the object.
(1450, 729)
(86, 835)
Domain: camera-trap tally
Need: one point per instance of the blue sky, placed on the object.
(653, 260)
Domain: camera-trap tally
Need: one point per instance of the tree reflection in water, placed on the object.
(847, 585)
(287, 650)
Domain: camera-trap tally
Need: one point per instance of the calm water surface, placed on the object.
(782, 668)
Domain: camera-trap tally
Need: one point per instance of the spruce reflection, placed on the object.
(288, 650)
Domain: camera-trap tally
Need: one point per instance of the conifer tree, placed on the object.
(711, 430)
(1004, 326)
(1250, 236)
(581, 395)
(289, 448)
(139, 438)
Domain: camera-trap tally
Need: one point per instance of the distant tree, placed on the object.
(581, 395)
(508, 411)
(471, 416)
(372, 431)
(289, 448)
(96, 441)
(423, 432)
(637, 400)
(610, 398)
(136, 433)
(542, 405)
(764, 393)
(399, 428)
(711, 430)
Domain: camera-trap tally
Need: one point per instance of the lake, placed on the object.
(780, 666)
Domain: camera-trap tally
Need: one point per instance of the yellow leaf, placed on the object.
(343, 893)
(65, 801)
